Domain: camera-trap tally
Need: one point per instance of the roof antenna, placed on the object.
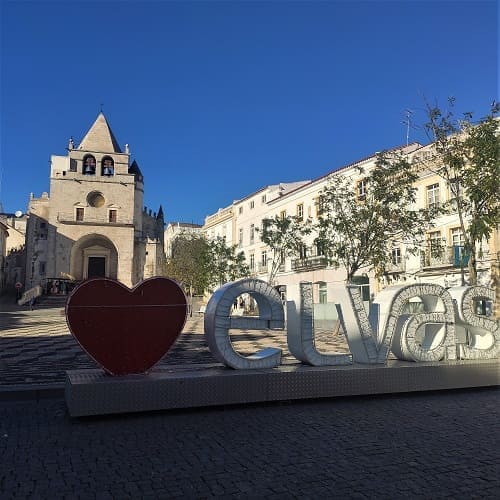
(102, 104)
(407, 122)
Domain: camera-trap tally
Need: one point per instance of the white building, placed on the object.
(175, 229)
(301, 200)
(14, 258)
(439, 259)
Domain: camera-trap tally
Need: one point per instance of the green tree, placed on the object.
(285, 237)
(189, 263)
(225, 263)
(360, 221)
(466, 155)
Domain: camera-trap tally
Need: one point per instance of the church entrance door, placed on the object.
(94, 256)
(97, 267)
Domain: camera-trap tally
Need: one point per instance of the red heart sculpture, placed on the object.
(126, 330)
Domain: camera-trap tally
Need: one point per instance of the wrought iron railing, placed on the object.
(444, 256)
(309, 263)
(397, 267)
(262, 268)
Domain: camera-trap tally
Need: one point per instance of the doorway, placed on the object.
(94, 255)
(96, 267)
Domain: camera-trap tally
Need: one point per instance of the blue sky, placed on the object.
(218, 99)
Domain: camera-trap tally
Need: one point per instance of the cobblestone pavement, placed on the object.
(431, 446)
(37, 348)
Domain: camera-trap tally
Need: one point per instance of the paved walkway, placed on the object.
(429, 446)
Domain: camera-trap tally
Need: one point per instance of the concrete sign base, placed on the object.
(92, 392)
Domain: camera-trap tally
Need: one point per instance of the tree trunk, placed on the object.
(351, 271)
(472, 265)
(350, 274)
(462, 272)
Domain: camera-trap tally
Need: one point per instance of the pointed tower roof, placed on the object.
(134, 169)
(100, 137)
(160, 213)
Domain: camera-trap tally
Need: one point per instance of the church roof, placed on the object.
(134, 169)
(100, 137)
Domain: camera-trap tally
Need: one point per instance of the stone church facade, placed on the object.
(93, 222)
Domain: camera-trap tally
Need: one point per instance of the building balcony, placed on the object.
(72, 218)
(397, 267)
(262, 268)
(443, 257)
(309, 263)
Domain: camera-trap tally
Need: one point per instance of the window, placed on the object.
(283, 214)
(320, 249)
(240, 237)
(252, 204)
(42, 233)
(41, 268)
(95, 199)
(363, 282)
(252, 262)
(458, 242)
(455, 192)
(282, 261)
(484, 307)
(322, 294)
(435, 243)
(320, 206)
(263, 258)
(263, 198)
(303, 252)
(455, 187)
(112, 216)
(240, 210)
(433, 196)
(300, 211)
(252, 233)
(361, 189)
(396, 256)
(89, 165)
(108, 166)
(457, 237)
(79, 214)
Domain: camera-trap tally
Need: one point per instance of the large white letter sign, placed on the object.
(427, 336)
(300, 326)
(479, 336)
(218, 321)
(370, 342)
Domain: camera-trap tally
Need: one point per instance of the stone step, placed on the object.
(49, 301)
